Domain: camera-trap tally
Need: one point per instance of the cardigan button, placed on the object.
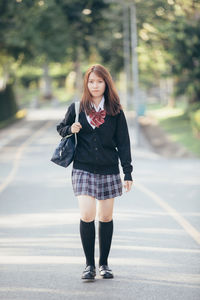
(96, 148)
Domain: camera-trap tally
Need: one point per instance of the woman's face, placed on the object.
(96, 85)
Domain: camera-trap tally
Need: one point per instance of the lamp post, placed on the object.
(135, 72)
(129, 5)
(127, 58)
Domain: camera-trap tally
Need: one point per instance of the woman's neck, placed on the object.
(96, 101)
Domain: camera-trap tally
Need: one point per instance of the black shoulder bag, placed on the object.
(64, 153)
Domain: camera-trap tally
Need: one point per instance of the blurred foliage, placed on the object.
(69, 35)
(195, 122)
(8, 103)
(169, 44)
(192, 108)
(33, 31)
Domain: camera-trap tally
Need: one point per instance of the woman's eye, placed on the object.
(100, 81)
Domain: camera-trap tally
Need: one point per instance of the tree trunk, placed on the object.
(79, 79)
(5, 77)
(46, 83)
(170, 87)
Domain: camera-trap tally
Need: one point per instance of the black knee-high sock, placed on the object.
(87, 232)
(105, 239)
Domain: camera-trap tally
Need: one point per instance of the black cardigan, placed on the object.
(98, 150)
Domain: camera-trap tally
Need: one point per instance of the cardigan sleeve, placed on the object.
(123, 145)
(64, 128)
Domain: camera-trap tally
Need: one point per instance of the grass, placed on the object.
(177, 125)
(20, 114)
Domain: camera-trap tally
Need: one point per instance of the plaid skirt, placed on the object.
(98, 186)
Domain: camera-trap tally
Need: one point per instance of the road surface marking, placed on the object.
(193, 232)
(42, 259)
(19, 153)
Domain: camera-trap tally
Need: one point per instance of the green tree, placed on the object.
(169, 43)
(34, 32)
(184, 47)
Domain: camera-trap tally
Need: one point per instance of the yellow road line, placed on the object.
(193, 232)
(19, 153)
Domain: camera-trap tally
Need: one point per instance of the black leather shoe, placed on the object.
(105, 272)
(89, 273)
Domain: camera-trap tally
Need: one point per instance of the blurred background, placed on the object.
(151, 48)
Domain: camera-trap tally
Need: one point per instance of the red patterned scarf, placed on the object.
(97, 118)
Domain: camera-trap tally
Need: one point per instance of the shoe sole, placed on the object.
(106, 277)
(88, 279)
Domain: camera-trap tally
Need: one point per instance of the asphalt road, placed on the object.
(155, 251)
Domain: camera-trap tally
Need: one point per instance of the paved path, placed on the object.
(155, 252)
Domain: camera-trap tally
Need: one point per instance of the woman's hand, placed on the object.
(75, 128)
(127, 185)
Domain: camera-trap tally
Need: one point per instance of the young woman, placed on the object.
(102, 139)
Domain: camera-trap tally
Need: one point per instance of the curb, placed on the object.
(160, 141)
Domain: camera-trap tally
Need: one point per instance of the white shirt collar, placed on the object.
(101, 104)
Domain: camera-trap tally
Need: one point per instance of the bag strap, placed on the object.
(77, 106)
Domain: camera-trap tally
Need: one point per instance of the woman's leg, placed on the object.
(105, 215)
(87, 207)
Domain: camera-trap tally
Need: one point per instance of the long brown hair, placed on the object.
(112, 102)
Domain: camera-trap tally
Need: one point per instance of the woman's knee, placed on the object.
(87, 207)
(87, 218)
(105, 218)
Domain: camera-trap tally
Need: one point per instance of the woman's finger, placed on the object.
(76, 127)
(127, 185)
(78, 124)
